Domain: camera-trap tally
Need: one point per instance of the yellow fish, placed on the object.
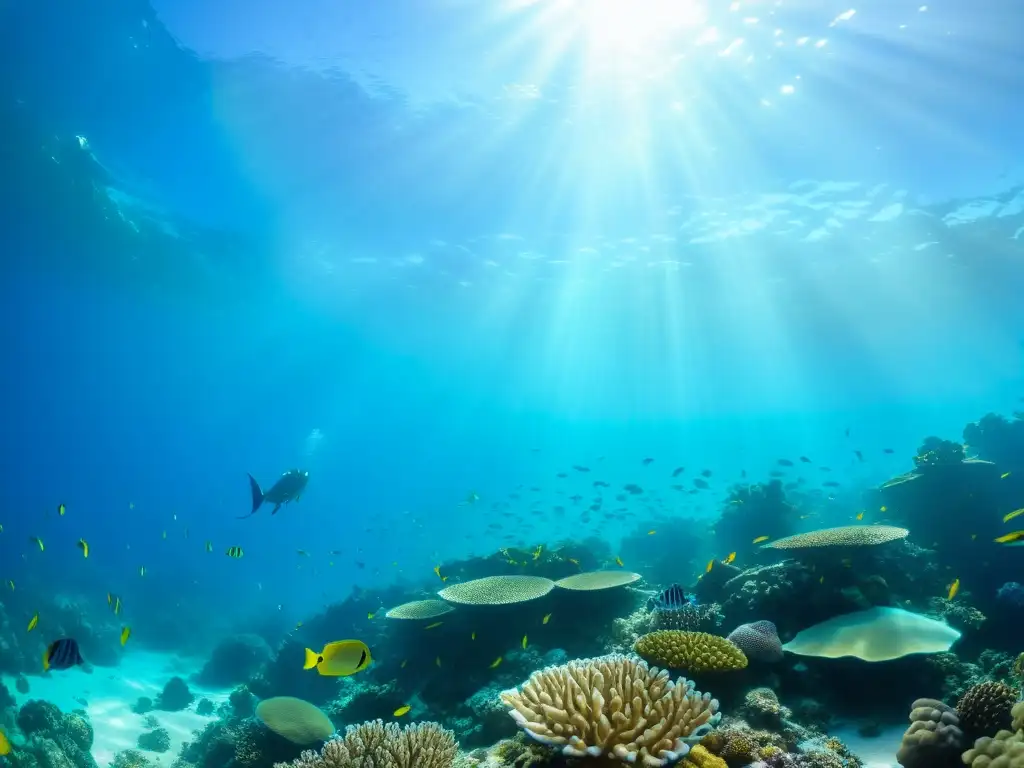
(883, 509)
(759, 539)
(651, 532)
(1010, 515)
(860, 515)
(5, 745)
(339, 659)
(1010, 538)
(495, 663)
(524, 642)
(1005, 475)
(473, 635)
(711, 564)
(618, 561)
(38, 542)
(437, 661)
(126, 632)
(114, 602)
(821, 580)
(953, 589)
(84, 546)
(435, 624)
(730, 558)
(437, 572)
(61, 509)
(537, 551)
(401, 710)
(298, 624)
(546, 619)
(33, 623)
(235, 552)
(574, 561)
(370, 615)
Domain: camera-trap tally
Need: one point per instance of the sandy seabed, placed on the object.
(110, 693)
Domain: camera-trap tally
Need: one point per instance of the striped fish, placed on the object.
(672, 599)
(62, 654)
(234, 552)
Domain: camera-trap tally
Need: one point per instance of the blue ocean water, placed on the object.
(439, 250)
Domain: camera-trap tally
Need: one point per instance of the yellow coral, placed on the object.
(701, 758)
(835, 744)
(693, 651)
(714, 742)
(740, 748)
(769, 751)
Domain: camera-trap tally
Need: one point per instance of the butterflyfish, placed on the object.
(473, 635)
(401, 710)
(62, 654)
(235, 552)
(651, 532)
(1004, 475)
(339, 659)
(114, 602)
(860, 515)
(730, 558)
(84, 546)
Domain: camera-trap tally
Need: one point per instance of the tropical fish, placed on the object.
(61, 509)
(860, 515)
(126, 632)
(472, 497)
(784, 463)
(524, 642)
(163, 534)
(1005, 475)
(618, 562)
(38, 542)
(62, 654)
(33, 623)
(711, 564)
(10, 583)
(1010, 538)
(235, 552)
(435, 624)
(1010, 515)
(953, 589)
(437, 572)
(730, 558)
(5, 745)
(537, 551)
(404, 662)
(545, 620)
(339, 659)
(760, 539)
(84, 546)
(671, 599)
(209, 546)
(287, 489)
(142, 570)
(437, 661)
(401, 710)
(472, 635)
(114, 602)
(495, 663)
(651, 532)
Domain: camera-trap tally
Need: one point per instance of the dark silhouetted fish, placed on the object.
(647, 461)
(678, 471)
(288, 489)
(785, 463)
(888, 450)
(805, 460)
(859, 455)
(62, 654)
(580, 468)
(700, 483)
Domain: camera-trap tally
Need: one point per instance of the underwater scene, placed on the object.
(512, 384)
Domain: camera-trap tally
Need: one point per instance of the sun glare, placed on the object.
(635, 25)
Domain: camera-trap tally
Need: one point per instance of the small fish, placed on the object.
(235, 552)
(647, 462)
(888, 450)
(711, 564)
(495, 663)
(953, 589)
(126, 632)
(437, 572)
(209, 546)
(523, 643)
(760, 539)
(142, 570)
(163, 534)
(437, 661)
(618, 562)
(5, 745)
(859, 455)
(401, 710)
(651, 532)
(371, 614)
(974, 536)
(61, 509)
(302, 553)
(730, 558)
(1010, 515)
(114, 602)
(33, 623)
(678, 471)
(38, 542)
(805, 460)
(472, 635)
(10, 583)
(537, 551)
(339, 659)
(673, 598)
(546, 619)
(860, 515)
(434, 625)
(1005, 475)
(84, 546)
(287, 489)
(883, 509)
(784, 463)
(1010, 538)
(62, 654)
(821, 580)
(472, 498)
(404, 662)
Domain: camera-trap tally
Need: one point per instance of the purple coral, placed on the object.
(759, 640)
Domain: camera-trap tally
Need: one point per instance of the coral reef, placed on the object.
(691, 651)
(157, 740)
(234, 661)
(614, 706)
(296, 720)
(934, 738)
(376, 745)
(758, 640)
(984, 709)
(175, 696)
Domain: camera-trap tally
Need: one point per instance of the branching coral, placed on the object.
(615, 706)
(376, 745)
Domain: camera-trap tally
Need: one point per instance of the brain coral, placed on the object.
(843, 536)
(984, 709)
(497, 590)
(692, 651)
(934, 737)
(376, 745)
(614, 706)
(758, 640)
(1004, 750)
(294, 719)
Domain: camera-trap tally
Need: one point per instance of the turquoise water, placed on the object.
(443, 250)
